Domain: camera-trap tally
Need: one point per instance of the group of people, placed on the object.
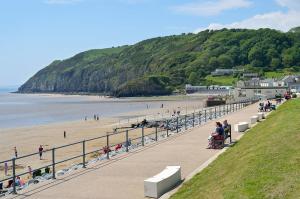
(265, 106)
(96, 117)
(40, 150)
(216, 139)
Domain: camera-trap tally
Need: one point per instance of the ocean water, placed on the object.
(19, 110)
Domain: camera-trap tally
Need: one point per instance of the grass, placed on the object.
(279, 74)
(273, 74)
(265, 163)
(221, 80)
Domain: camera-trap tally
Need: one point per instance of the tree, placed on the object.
(193, 78)
(225, 61)
(275, 63)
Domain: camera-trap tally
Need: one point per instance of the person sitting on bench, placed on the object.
(217, 135)
(226, 128)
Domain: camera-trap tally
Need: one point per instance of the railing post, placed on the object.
(167, 128)
(227, 108)
(156, 134)
(220, 111)
(205, 115)
(127, 141)
(199, 118)
(230, 108)
(83, 154)
(185, 122)
(53, 163)
(107, 146)
(14, 175)
(143, 138)
(177, 130)
(193, 119)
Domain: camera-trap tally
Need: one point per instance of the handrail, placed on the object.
(176, 123)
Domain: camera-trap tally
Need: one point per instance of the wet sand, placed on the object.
(28, 139)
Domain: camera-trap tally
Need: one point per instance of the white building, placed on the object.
(258, 92)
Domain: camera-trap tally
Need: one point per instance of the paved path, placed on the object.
(123, 176)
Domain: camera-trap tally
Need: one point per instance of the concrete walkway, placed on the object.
(122, 177)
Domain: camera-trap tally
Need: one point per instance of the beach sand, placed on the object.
(28, 139)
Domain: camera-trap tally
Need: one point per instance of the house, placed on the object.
(209, 90)
(294, 87)
(222, 72)
(250, 75)
(291, 79)
(258, 88)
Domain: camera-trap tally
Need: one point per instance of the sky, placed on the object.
(33, 33)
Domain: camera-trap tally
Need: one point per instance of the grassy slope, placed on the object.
(265, 163)
(221, 80)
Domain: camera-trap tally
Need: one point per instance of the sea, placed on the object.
(23, 110)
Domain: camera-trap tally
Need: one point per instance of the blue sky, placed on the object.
(33, 33)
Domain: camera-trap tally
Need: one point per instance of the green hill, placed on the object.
(161, 65)
(265, 163)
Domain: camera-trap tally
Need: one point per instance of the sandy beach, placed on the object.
(28, 139)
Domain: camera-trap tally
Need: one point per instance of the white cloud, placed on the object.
(277, 20)
(210, 8)
(291, 4)
(62, 1)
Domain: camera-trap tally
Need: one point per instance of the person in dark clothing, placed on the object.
(65, 134)
(219, 133)
(41, 149)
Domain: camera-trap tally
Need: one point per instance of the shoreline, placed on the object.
(27, 138)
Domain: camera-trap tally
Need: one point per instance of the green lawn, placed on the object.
(279, 74)
(275, 74)
(221, 80)
(265, 163)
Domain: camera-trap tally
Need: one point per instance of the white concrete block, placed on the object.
(163, 182)
(260, 116)
(254, 119)
(241, 126)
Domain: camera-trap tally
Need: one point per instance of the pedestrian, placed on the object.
(29, 171)
(16, 152)
(41, 151)
(85, 118)
(97, 117)
(5, 168)
(65, 134)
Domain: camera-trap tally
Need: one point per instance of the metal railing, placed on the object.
(163, 128)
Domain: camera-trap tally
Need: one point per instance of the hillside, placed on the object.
(264, 163)
(161, 65)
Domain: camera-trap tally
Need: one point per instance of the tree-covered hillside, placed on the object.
(161, 65)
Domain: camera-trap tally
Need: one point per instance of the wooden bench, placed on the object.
(163, 182)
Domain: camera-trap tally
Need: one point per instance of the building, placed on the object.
(250, 75)
(222, 72)
(294, 87)
(208, 90)
(257, 88)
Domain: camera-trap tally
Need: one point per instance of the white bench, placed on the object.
(163, 182)
(241, 126)
(254, 119)
(260, 116)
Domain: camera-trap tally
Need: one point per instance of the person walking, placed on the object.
(41, 151)
(65, 134)
(16, 152)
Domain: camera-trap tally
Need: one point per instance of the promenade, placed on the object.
(123, 175)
